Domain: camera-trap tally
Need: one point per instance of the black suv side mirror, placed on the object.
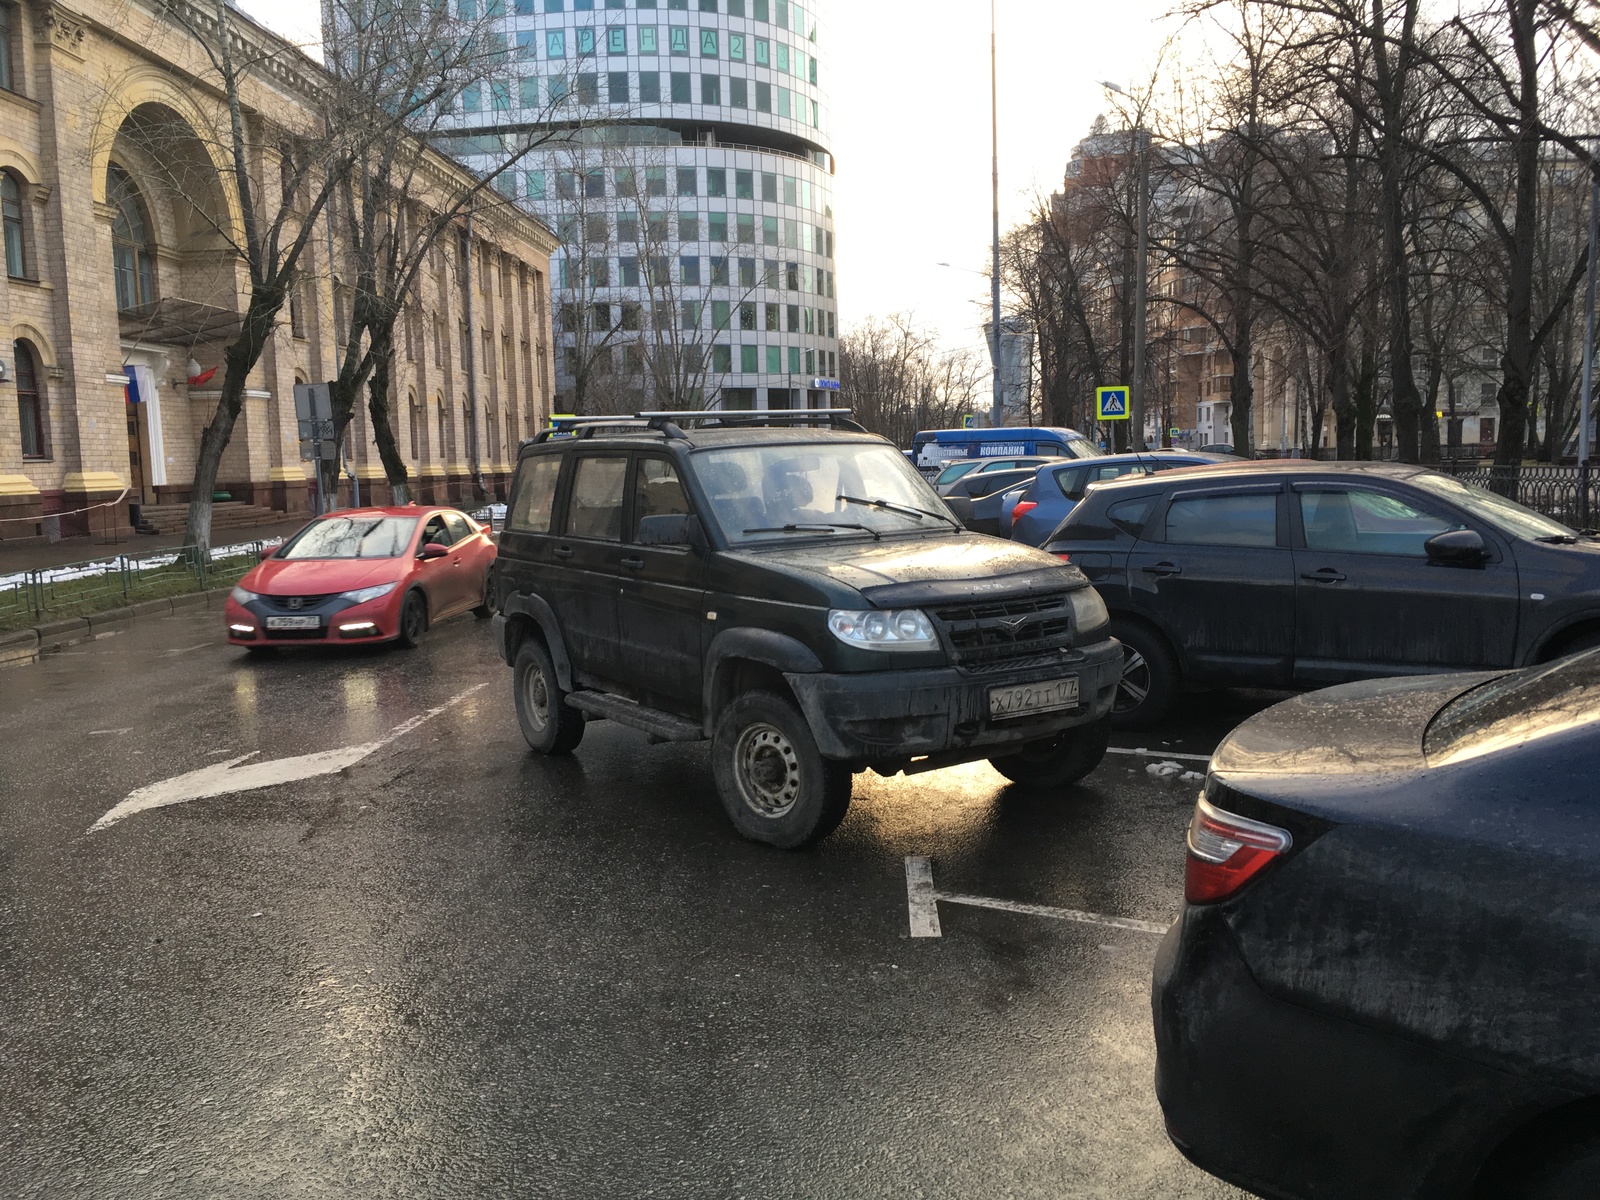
(671, 529)
(961, 509)
(1457, 548)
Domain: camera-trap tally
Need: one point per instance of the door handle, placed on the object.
(1163, 569)
(563, 552)
(1324, 575)
(633, 563)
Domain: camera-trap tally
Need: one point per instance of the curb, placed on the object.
(18, 646)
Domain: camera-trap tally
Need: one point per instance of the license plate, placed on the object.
(294, 622)
(1023, 698)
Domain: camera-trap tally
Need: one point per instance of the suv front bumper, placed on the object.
(889, 717)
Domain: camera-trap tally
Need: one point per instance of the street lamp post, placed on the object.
(1141, 139)
(997, 415)
(1586, 396)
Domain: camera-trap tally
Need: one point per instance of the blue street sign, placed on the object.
(1111, 403)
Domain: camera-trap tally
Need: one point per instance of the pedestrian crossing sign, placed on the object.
(1111, 404)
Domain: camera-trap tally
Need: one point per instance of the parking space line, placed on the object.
(1145, 753)
(922, 905)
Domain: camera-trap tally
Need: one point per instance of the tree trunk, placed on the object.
(1517, 361)
(394, 465)
(1365, 408)
(239, 360)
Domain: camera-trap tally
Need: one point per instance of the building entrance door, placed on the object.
(136, 473)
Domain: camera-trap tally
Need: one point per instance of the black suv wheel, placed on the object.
(548, 723)
(1059, 761)
(774, 783)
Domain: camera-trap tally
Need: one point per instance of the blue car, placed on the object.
(1030, 514)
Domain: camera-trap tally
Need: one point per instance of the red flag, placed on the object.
(203, 377)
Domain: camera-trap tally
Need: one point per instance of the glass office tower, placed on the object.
(689, 179)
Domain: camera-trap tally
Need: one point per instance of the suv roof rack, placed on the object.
(670, 424)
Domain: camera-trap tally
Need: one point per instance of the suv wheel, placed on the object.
(774, 783)
(1059, 761)
(548, 723)
(1149, 678)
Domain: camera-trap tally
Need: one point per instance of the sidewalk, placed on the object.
(35, 556)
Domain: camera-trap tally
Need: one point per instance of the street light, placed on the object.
(997, 416)
(1141, 258)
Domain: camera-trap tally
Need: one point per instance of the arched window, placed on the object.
(30, 402)
(414, 419)
(11, 213)
(444, 431)
(132, 262)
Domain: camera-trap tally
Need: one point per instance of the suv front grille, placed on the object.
(1003, 630)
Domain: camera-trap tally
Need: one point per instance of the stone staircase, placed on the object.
(225, 514)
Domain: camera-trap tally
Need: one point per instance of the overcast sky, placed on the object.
(909, 88)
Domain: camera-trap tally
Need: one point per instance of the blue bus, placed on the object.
(932, 447)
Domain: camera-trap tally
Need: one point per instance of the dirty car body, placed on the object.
(1382, 983)
(667, 575)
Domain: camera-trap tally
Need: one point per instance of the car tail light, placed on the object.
(1062, 555)
(1023, 508)
(1227, 851)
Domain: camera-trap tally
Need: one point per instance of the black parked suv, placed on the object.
(1296, 574)
(795, 593)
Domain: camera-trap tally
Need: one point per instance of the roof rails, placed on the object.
(670, 424)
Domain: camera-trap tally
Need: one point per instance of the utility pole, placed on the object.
(1141, 265)
(1586, 395)
(997, 416)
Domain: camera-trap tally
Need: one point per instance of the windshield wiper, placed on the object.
(827, 527)
(906, 509)
(1558, 539)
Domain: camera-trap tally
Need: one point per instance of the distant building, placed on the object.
(119, 295)
(695, 194)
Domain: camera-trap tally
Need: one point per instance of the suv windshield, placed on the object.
(352, 537)
(1515, 708)
(1506, 515)
(818, 488)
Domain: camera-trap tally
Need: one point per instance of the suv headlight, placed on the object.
(241, 596)
(362, 595)
(1089, 613)
(877, 629)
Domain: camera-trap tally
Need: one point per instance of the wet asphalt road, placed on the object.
(458, 970)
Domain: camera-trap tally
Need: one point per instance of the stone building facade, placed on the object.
(120, 292)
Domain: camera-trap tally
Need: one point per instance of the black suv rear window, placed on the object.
(536, 495)
(1519, 707)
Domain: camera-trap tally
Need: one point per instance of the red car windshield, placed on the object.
(352, 537)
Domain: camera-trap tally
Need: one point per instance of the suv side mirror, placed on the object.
(671, 529)
(1457, 548)
(433, 550)
(267, 552)
(961, 509)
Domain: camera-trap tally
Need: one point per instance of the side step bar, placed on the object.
(662, 727)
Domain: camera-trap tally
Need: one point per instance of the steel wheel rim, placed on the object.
(1134, 686)
(536, 698)
(767, 768)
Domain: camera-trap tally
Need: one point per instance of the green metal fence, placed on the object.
(80, 588)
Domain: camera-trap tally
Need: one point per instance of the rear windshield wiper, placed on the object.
(906, 509)
(1558, 539)
(827, 527)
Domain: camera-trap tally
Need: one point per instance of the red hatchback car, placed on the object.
(364, 575)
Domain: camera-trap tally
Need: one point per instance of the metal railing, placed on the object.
(95, 585)
(1570, 495)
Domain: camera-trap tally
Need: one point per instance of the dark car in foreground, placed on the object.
(800, 598)
(1031, 513)
(1385, 981)
(1293, 574)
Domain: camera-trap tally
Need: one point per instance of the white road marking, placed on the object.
(922, 903)
(920, 898)
(103, 732)
(223, 778)
(1144, 753)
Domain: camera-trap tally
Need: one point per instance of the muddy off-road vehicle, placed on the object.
(787, 586)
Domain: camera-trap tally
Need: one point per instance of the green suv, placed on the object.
(788, 587)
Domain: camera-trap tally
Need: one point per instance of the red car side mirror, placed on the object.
(433, 550)
(267, 552)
